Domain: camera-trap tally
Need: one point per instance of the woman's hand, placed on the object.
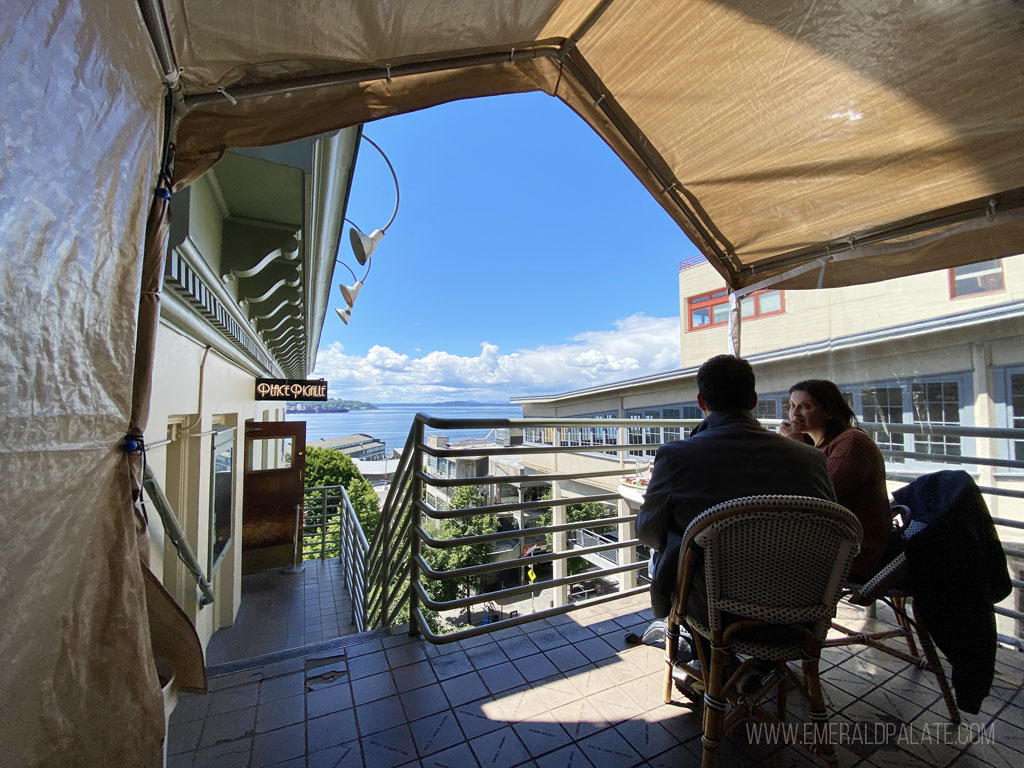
(788, 429)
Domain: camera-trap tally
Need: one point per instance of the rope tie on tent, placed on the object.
(669, 188)
(387, 74)
(227, 96)
(600, 99)
(512, 54)
(992, 209)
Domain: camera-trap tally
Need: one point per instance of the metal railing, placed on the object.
(399, 574)
(585, 538)
(331, 528)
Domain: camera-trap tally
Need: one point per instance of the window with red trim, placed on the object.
(712, 309)
(973, 279)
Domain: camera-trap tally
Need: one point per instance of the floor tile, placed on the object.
(500, 749)
(389, 748)
(278, 746)
(279, 713)
(436, 732)
(379, 715)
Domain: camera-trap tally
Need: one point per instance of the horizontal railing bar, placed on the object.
(554, 422)
(925, 429)
(1002, 491)
(1008, 612)
(944, 430)
(1008, 523)
(503, 565)
(1013, 552)
(527, 449)
(941, 458)
(525, 589)
(558, 610)
(497, 509)
(520, 533)
(916, 428)
(449, 482)
(1013, 642)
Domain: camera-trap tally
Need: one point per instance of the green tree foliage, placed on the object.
(328, 467)
(465, 497)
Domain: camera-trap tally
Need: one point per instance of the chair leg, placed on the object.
(818, 715)
(936, 667)
(899, 605)
(780, 698)
(715, 705)
(671, 648)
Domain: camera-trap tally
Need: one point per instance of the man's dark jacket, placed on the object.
(957, 571)
(729, 455)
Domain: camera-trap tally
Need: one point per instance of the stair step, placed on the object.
(262, 660)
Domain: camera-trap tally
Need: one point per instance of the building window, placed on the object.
(973, 279)
(658, 435)
(708, 309)
(712, 309)
(936, 402)
(884, 405)
(1017, 412)
(221, 493)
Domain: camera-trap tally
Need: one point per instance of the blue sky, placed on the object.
(525, 259)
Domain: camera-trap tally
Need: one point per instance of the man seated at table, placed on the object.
(729, 455)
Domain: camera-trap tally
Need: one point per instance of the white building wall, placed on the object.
(189, 398)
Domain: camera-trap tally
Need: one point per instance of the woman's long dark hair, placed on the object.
(826, 394)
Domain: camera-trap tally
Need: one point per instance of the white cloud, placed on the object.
(637, 346)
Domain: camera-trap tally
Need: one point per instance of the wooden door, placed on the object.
(272, 495)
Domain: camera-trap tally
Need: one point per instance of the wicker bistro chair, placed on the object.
(774, 569)
(891, 586)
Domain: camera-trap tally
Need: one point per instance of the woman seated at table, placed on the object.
(819, 414)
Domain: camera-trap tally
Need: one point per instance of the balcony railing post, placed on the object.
(345, 549)
(416, 522)
(323, 522)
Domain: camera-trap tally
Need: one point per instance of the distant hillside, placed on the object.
(460, 403)
(331, 406)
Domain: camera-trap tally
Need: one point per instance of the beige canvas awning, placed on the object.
(827, 143)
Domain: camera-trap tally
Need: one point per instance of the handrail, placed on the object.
(331, 529)
(174, 532)
(399, 578)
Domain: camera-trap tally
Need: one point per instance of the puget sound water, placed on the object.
(391, 423)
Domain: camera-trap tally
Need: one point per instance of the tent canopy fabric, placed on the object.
(805, 143)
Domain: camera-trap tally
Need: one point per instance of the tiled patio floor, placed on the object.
(557, 693)
(285, 610)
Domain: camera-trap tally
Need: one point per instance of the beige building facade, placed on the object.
(944, 348)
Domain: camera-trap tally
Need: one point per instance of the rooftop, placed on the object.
(566, 691)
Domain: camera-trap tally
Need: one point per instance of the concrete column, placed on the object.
(559, 544)
(984, 410)
(627, 580)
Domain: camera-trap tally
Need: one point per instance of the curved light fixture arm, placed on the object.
(369, 259)
(346, 266)
(394, 176)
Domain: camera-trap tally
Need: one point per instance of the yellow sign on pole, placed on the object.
(532, 574)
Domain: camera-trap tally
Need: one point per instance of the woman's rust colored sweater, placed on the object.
(857, 469)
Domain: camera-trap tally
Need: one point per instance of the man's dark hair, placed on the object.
(726, 383)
